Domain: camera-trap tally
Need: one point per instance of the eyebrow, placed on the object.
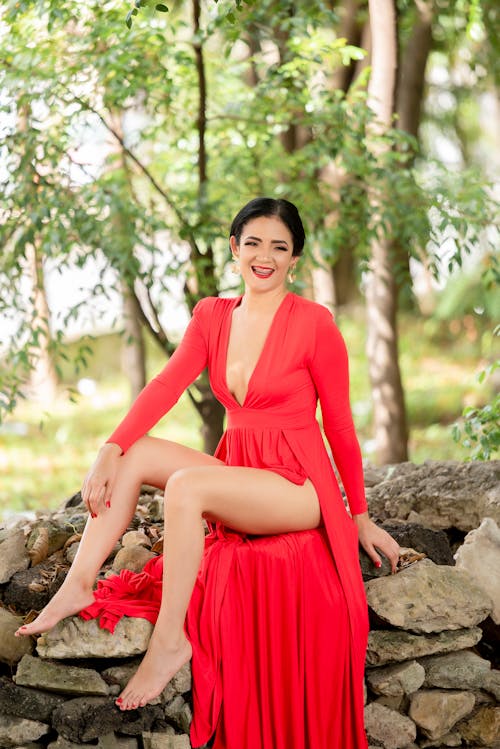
(273, 241)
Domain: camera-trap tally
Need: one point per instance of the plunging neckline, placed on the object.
(262, 351)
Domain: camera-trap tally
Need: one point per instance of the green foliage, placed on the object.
(479, 432)
(73, 74)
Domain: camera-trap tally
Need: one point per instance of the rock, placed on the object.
(12, 648)
(71, 552)
(179, 713)
(387, 646)
(461, 670)
(440, 494)
(76, 638)
(32, 589)
(449, 739)
(165, 741)
(388, 727)
(395, 703)
(480, 556)
(132, 558)
(13, 554)
(56, 677)
(62, 743)
(436, 711)
(87, 718)
(394, 681)
(427, 597)
(434, 544)
(27, 703)
(136, 538)
(17, 731)
(112, 741)
(491, 683)
(56, 536)
(368, 569)
(482, 727)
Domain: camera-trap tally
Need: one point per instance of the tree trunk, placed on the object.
(133, 353)
(409, 96)
(210, 409)
(43, 381)
(391, 434)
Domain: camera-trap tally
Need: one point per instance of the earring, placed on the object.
(234, 267)
(291, 275)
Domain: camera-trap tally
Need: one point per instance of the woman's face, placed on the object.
(264, 253)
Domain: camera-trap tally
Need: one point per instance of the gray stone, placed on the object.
(395, 703)
(165, 740)
(179, 713)
(87, 718)
(397, 680)
(12, 648)
(136, 538)
(461, 670)
(449, 739)
(368, 569)
(33, 588)
(389, 646)
(480, 557)
(112, 741)
(56, 536)
(71, 552)
(388, 727)
(427, 597)
(76, 638)
(26, 703)
(482, 727)
(56, 677)
(491, 683)
(13, 555)
(434, 544)
(436, 711)
(62, 743)
(16, 731)
(439, 494)
(132, 558)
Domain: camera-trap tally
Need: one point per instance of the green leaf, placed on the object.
(161, 7)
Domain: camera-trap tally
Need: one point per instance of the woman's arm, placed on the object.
(164, 390)
(185, 364)
(329, 367)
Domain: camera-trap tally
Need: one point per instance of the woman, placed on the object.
(268, 492)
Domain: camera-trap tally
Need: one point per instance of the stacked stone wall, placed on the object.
(432, 670)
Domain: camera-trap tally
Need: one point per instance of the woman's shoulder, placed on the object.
(312, 309)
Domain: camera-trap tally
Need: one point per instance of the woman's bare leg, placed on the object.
(148, 461)
(246, 499)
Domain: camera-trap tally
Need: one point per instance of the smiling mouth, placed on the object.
(261, 271)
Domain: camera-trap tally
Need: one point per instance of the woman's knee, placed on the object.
(182, 488)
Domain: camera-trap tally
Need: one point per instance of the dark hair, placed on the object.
(279, 207)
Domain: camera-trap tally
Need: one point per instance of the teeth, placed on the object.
(262, 272)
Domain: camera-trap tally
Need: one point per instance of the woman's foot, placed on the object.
(69, 599)
(160, 664)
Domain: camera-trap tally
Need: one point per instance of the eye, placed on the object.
(282, 248)
(249, 242)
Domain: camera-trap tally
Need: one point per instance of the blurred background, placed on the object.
(131, 134)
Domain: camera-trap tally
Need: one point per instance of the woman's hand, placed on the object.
(371, 536)
(99, 481)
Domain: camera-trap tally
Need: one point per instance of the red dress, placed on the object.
(278, 623)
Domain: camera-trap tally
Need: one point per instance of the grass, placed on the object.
(45, 456)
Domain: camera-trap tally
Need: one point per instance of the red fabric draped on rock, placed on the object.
(127, 594)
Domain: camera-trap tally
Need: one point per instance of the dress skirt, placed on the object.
(284, 633)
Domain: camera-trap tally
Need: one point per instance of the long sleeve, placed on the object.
(329, 368)
(164, 390)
